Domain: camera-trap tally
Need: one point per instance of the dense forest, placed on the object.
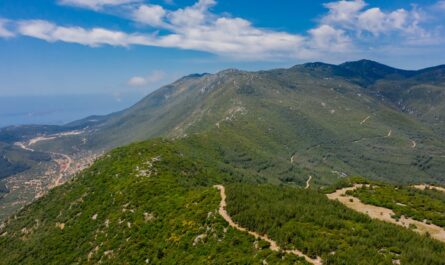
(309, 221)
(145, 203)
(154, 202)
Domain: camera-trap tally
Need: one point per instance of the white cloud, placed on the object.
(4, 32)
(96, 4)
(92, 37)
(149, 14)
(344, 12)
(192, 16)
(327, 38)
(348, 26)
(137, 81)
(152, 78)
(195, 27)
(353, 15)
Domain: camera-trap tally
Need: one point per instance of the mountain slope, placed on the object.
(145, 203)
(327, 120)
(278, 126)
(153, 202)
(263, 135)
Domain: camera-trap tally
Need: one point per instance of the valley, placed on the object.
(29, 186)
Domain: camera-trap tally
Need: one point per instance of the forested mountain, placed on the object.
(154, 203)
(264, 135)
(355, 118)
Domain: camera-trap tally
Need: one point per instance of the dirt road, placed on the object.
(365, 120)
(308, 182)
(384, 214)
(273, 245)
(64, 164)
(23, 146)
(425, 186)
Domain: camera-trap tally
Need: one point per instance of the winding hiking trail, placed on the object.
(413, 144)
(384, 214)
(292, 159)
(365, 120)
(308, 182)
(273, 244)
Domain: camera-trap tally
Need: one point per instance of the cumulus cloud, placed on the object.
(4, 32)
(354, 16)
(346, 27)
(152, 78)
(344, 12)
(195, 27)
(328, 38)
(92, 37)
(96, 4)
(149, 14)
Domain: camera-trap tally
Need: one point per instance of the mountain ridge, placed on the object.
(278, 141)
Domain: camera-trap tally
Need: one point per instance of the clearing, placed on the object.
(384, 214)
(426, 186)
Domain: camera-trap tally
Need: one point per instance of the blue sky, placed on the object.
(51, 47)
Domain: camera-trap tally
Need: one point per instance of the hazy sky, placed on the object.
(119, 46)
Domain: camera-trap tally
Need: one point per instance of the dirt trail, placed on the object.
(23, 146)
(389, 133)
(308, 182)
(35, 140)
(413, 144)
(273, 245)
(365, 120)
(424, 186)
(52, 137)
(384, 214)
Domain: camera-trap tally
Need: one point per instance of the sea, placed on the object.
(60, 109)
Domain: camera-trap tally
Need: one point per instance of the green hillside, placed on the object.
(264, 135)
(330, 121)
(146, 202)
(153, 202)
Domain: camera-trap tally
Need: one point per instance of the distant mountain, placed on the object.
(356, 118)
